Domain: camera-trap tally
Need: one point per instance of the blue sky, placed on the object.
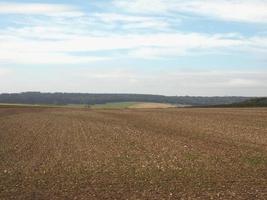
(174, 47)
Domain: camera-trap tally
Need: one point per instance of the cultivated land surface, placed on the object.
(185, 153)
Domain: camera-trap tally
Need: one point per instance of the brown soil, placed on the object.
(172, 153)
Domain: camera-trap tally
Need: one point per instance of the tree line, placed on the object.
(91, 99)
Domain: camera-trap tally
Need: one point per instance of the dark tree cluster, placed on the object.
(90, 99)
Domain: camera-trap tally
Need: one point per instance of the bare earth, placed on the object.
(50, 153)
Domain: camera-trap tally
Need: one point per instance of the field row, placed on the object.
(49, 153)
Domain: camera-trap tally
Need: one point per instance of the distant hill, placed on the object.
(252, 102)
(255, 102)
(91, 99)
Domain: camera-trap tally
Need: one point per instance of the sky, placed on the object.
(168, 47)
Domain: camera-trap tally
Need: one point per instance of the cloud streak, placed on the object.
(4, 71)
(140, 46)
(229, 10)
(39, 9)
(121, 80)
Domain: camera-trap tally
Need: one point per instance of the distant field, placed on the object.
(12, 105)
(176, 153)
(133, 105)
(153, 105)
(116, 105)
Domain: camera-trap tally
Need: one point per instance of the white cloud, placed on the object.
(107, 74)
(4, 72)
(48, 58)
(208, 83)
(172, 82)
(242, 82)
(133, 21)
(38, 32)
(173, 45)
(144, 6)
(222, 79)
(231, 10)
(53, 41)
(18, 49)
(114, 17)
(132, 80)
(39, 9)
(146, 29)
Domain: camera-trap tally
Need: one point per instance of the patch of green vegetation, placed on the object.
(255, 160)
(4, 105)
(191, 156)
(114, 105)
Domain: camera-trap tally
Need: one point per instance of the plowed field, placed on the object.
(57, 153)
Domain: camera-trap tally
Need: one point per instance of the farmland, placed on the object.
(120, 105)
(174, 153)
(116, 105)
